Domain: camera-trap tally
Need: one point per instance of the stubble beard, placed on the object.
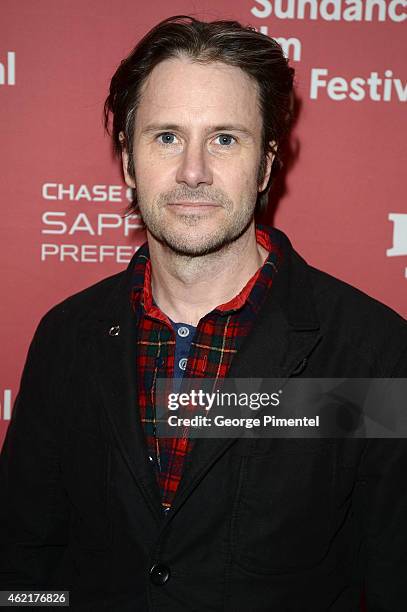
(232, 226)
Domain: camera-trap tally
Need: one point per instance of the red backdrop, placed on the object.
(63, 194)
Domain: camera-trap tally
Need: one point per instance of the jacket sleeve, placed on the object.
(34, 512)
(383, 477)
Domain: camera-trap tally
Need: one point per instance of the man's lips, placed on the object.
(193, 204)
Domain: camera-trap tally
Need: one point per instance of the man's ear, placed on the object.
(125, 162)
(268, 165)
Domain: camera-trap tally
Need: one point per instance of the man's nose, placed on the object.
(194, 167)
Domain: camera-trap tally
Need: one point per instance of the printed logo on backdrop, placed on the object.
(332, 10)
(5, 405)
(399, 248)
(87, 224)
(385, 86)
(377, 87)
(8, 68)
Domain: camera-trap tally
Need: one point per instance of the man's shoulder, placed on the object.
(83, 303)
(334, 298)
(332, 292)
(358, 319)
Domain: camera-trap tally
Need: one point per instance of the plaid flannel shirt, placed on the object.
(217, 339)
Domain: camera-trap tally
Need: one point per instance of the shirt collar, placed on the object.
(250, 293)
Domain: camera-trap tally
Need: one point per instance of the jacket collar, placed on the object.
(292, 290)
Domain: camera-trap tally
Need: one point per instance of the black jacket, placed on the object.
(256, 526)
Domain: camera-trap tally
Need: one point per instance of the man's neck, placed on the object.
(187, 288)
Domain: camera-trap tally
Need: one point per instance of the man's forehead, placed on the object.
(179, 89)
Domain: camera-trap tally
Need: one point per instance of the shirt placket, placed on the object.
(164, 345)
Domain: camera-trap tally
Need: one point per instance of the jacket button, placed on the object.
(159, 574)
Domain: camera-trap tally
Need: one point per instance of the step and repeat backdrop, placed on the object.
(63, 197)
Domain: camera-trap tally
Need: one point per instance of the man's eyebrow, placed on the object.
(224, 127)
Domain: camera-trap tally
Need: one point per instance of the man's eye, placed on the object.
(226, 139)
(166, 138)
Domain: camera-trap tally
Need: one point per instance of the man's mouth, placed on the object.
(194, 205)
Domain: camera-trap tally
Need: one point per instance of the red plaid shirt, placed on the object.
(217, 339)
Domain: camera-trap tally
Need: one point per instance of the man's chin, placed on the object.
(197, 248)
(198, 242)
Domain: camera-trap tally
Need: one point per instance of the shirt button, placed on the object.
(183, 331)
(182, 364)
(159, 574)
(160, 362)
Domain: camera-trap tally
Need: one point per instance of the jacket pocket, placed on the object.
(86, 474)
(284, 511)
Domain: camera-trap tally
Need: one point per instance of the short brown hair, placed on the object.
(259, 56)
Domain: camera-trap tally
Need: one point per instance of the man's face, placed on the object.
(197, 151)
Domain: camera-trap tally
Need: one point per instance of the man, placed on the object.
(95, 501)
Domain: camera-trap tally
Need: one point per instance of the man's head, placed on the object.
(199, 110)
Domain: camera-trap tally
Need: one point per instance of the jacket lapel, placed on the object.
(284, 335)
(115, 361)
